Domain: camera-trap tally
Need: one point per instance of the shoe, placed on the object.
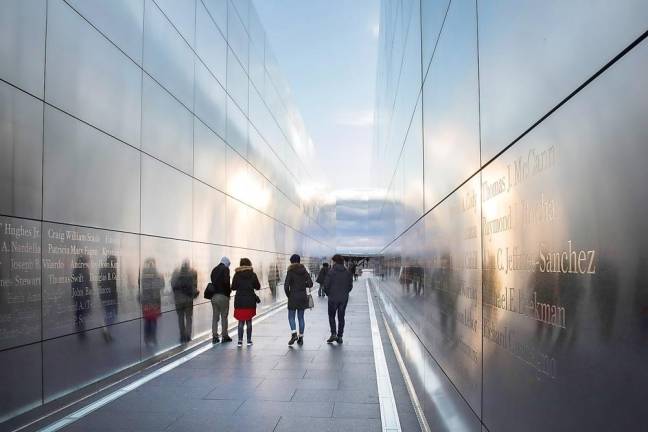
(332, 339)
(227, 339)
(240, 343)
(293, 339)
(249, 343)
(215, 340)
(339, 339)
(300, 340)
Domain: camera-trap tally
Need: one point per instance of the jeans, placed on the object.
(320, 291)
(220, 307)
(291, 320)
(241, 324)
(339, 308)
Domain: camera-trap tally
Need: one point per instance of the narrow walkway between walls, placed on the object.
(270, 386)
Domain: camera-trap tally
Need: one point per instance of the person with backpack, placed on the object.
(297, 282)
(219, 294)
(320, 279)
(337, 285)
(245, 282)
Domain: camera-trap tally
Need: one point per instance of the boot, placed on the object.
(293, 339)
(332, 339)
(300, 340)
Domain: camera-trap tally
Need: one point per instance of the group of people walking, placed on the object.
(336, 282)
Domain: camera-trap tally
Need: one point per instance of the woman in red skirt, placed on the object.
(245, 282)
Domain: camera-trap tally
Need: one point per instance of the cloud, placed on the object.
(362, 119)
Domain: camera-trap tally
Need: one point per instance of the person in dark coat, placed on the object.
(220, 301)
(337, 286)
(184, 282)
(320, 279)
(297, 282)
(245, 282)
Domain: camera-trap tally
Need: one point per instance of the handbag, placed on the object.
(209, 291)
(311, 302)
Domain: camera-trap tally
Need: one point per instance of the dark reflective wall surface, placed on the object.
(520, 287)
(138, 158)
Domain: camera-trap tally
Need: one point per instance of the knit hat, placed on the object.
(225, 261)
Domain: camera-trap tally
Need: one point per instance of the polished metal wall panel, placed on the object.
(89, 279)
(74, 361)
(209, 214)
(22, 44)
(236, 31)
(237, 128)
(211, 100)
(237, 82)
(210, 157)
(218, 11)
(433, 14)
(210, 44)
(565, 296)
(182, 14)
(121, 21)
(452, 289)
(89, 77)
(21, 375)
(412, 192)
(21, 144)
(451, 106)
(167, 127)
(167, 56)
(534, 55)
(241, 226)
(20, 282)
(169, 213)
(160, 258)
(79, 185)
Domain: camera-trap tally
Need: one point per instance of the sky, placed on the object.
(327, 50)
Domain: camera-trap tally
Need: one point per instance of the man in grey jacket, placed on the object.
(337, 286)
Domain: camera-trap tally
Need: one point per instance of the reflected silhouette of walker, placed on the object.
(184, 283)
(152, 284)
(81, 287)
(108, 294)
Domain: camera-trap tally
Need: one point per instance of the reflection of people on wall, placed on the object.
(320, 279)
(108, 293)
(446, 297)
(605, 290)
(405, 278)
(184, 283)
(151, 299)
(273, 278)
(641, 298)
(81, 292)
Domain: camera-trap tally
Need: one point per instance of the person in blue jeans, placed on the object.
(296, 286)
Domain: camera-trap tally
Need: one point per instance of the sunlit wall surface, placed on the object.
(511, 137)
(136, 135)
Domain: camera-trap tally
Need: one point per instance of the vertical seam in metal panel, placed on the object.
(481, 214)
(422, 98)
(42, 351)
(139, 236)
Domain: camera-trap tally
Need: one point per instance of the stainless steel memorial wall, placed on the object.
(136, 136)
(512, 139)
